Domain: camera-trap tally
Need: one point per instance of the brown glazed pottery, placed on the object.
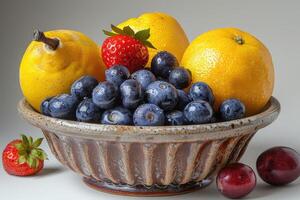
(148, 161)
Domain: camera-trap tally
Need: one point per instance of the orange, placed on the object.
(166, 34)
(235, 64)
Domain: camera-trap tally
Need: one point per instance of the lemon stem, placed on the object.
(239, 39)
(52, 43)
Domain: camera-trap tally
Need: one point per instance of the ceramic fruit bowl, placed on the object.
(148, 161)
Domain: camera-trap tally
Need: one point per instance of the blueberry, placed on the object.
(63, 106)
(232, 109)
(162, 94)
(45, 107)
(201, 91)
(105, 95)
(144, 77)
(175, 117)
(180, 77)
(83, 87)
(163, 63)
(87, 111)
(117, 74)
(131, 93)
(198, 112)
(148, 115)
(183, 99)
(117, 116)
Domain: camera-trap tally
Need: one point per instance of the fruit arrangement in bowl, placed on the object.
(142, 99)
(148, 113)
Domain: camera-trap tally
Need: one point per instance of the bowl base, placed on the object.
(140, 190)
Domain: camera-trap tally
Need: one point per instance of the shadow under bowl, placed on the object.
(148, 161)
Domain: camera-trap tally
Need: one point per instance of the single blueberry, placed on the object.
(201, 91)
(131, 93)
(105, 95)
(87, 111)
(148, 115)
(198, 112)
(162, 94)
(117, 74)
(183, 99)
(232, 109)
(83, 87)
(180, 77)
(163, 63)
(175, 117)
(63, 106)
(117, 116)
(45, 107)
(144, 77)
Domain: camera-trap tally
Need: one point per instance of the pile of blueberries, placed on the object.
(145, 98)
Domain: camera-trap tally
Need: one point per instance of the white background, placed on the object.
(276, 23)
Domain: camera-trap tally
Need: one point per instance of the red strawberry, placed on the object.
(23, 157)
(124, 47)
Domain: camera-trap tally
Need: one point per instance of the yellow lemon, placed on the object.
(51, 64)
(165, 33)
(235, 64)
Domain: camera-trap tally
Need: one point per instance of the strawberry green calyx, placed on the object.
(29, 151)
(142, 35)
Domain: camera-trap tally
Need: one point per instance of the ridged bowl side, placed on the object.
(141, 163)
(147, 161)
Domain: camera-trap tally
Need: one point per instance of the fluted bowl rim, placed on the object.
(200, 132)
